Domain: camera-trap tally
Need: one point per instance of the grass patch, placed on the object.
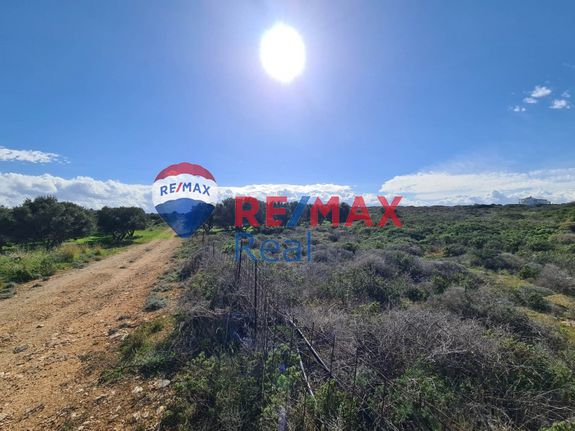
(20, 265)
(144, 351)
(154, 302)
(565, 327)
(562, 300)
(510, 281)
(7, 290)
(140, 237)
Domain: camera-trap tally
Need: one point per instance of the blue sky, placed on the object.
(392, 91)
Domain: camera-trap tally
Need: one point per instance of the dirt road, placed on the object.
(46, 333)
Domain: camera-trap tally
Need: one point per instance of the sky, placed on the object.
(444, 102)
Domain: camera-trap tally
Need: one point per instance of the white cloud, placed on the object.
(295, 192)
(442, 188)
(86, 191)
(92, 193)
(425, 188)
(32, 156)
(540, 91)
(560, 104)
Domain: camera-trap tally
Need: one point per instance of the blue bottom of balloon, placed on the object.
(185, 216)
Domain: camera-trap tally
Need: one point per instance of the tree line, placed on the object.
(46, 221)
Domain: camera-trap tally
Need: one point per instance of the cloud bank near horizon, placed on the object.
(85, 191)
(442, 188)
(419, 189)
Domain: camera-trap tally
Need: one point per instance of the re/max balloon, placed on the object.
(184, 195)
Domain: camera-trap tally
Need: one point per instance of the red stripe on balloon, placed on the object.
(185, 168)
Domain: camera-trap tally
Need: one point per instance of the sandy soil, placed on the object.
(48, 332)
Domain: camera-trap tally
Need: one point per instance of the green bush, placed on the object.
(216, 394)
(529, 271)
(7, 290)
(416, 398)
(561, 426)
(533, 297)
(47, 267)
(154, 302)
(451, 250)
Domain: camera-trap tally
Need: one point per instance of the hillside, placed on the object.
(462, 319)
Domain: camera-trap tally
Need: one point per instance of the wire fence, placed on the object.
(322, 356)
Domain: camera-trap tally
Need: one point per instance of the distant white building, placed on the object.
(531, 201)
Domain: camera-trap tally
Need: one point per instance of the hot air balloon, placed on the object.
(184, 195)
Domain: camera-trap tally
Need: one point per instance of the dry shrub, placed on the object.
(68, 252)
(556, 279)
(403, 338)
(202, 329)
(331, 254)
(377, 262)
(493, 377)
(190, 266)
(565, 238)
(494, 310)
(408, 248)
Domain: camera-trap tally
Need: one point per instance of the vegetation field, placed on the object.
(42, 236)
(19, 264)
(462, 319)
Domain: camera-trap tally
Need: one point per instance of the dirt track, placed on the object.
(46, 332)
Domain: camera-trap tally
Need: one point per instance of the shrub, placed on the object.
(444, 274)
(154, 303)
(7, 290)
(539, 244)
(452, 250)
(439, 363)
(46, 267)
(416, 397)
(408, 248)
(331, 255)
(568, 425)
(493, 310)
(490, 259)
(416, 293)
(533, 297)
(68, 253)
(350, 246)
(333, 236)
(529, 271)
(379, 263)
(215, 393)
(365, 282)
(555, 279)
(190, 266)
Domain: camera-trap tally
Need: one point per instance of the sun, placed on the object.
(282, 53)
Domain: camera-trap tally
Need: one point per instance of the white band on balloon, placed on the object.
(184, 186)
